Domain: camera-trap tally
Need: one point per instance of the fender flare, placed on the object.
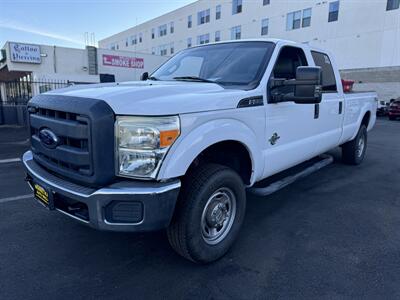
(364, 111)
(188, 147)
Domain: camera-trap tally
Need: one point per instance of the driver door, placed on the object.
(290, 127)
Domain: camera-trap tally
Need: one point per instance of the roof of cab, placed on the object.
(270, 40)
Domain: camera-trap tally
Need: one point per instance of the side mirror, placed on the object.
(144, 76)
(307, 88)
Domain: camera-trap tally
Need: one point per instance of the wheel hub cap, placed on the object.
(360, 146)
(218, 216)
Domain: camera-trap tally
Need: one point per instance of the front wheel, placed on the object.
(353, 152)
(209, 213)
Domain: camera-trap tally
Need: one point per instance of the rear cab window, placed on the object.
(328, 75)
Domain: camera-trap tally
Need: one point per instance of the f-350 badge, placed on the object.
(274, 138)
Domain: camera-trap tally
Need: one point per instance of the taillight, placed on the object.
(347, 85)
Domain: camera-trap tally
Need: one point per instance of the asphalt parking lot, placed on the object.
(334, 234)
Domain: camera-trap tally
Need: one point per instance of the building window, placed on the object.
(306, 22)
(218, 12)
(295, 20)
(236, 7)
(153, 50)
(333, 11)
(203, 17)
(162, 30)
(153, 33)
(133, 40)
(126, 43)
(162, 50)
(236, 32)
(264, 26)
(190, 22)
(171, 27)
(171, 48)
(217, 36)
(140, 37)
(266, 2)
(393, 4)
(203, 39)
(189, 42)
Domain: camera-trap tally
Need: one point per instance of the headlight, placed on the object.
(142, 142)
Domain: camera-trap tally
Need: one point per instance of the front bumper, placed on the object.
(123, 206)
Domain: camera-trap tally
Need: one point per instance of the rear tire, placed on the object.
(392, 118)
(209, 213)
(353, 152)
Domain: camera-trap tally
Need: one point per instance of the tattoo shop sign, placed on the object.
(25, 53)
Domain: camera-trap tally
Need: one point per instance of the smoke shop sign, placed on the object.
(123, 61)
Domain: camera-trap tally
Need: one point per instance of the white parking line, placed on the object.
(9, 199)
(10, 160)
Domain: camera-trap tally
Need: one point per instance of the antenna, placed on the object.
(92, 39)
(86, 38)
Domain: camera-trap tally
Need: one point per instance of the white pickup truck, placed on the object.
(178, 149)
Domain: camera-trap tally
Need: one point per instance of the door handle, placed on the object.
(340, 107)
(316, 111)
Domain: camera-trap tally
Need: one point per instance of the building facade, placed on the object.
(364, 36)
(27, 69)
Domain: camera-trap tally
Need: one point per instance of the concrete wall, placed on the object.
(151, 62)
(13, 115)
(385, 81)
(56, 60)
(60, 63)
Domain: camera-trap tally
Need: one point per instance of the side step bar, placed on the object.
(295, 174)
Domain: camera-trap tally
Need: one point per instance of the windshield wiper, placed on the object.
(194, 78)
(153, 78)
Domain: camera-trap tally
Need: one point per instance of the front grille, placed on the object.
(63, 115)
(73, 131)
(84, 130)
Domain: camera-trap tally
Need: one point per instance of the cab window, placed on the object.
(328, 75)
(289, 59)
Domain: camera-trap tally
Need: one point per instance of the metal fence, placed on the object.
(20, 91)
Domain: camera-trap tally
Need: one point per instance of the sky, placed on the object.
(64, 22)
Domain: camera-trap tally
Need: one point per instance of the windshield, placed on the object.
(231, 65)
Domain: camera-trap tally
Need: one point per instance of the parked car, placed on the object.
(383, 109)
(178, 150)
(394, 109)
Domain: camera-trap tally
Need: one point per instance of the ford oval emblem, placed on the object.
(48, 138)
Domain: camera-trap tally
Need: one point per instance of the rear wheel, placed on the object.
(392, 118)
(209, 213)
(353, 152)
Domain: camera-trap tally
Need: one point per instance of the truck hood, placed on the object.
(158, 97)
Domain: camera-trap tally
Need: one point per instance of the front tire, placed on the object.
(353, 152)
(209, 213)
